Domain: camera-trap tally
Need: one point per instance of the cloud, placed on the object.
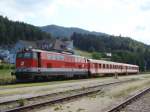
(145, 6)
(26, 10)
(140, 28)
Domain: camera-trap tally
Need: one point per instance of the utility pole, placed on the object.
(145, 66)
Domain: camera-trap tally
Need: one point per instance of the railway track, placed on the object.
(62, 96)
(128, 101)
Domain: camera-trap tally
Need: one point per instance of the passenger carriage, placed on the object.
(108, 67)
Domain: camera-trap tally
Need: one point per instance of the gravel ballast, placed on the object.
(140, 105)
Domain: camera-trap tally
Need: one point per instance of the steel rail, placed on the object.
(105, 84)
(81, 92)
(128, 101)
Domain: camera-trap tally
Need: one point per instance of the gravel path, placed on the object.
(141, 105)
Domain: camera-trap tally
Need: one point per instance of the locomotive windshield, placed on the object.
(27, 55)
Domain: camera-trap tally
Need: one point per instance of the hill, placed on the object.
(11, 31)
(123, 49)
(60, 31)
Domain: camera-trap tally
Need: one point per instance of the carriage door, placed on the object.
(89, 67)
(39, 59)
(96, 67)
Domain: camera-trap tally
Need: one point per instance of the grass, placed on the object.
(6, 93)
(21, 102)
(58, 107)
(6, 66)
(125, 89)
(5, 76)
(5, 73)
(83, 53)
(29, 84)
(36, 84)
(80, 110)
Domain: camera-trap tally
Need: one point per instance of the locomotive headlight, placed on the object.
(22, 63)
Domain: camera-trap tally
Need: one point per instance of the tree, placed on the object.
(96, 55)
(11, 32)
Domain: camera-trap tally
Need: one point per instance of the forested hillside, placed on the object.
(60, 31)
(123, 49)
(11, 31)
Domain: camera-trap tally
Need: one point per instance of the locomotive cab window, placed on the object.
(27, 55)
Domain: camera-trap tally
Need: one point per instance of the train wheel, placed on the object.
(89, 74)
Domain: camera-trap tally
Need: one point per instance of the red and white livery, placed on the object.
(32, 64)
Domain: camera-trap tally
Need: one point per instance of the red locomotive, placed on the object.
(32, 64)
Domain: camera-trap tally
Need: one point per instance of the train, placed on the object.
(32, 64)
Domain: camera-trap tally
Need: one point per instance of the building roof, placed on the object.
(49, 45)
(28, 43)
(63, 45)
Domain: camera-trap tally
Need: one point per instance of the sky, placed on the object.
(129, 18)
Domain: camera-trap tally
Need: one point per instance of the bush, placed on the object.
(12, 67)
(21, 102)
(7, 66)
(6, 77)
(1, 67)
(96, 55)
(5, 81)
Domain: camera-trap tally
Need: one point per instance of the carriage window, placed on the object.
(104, 66)
(99, 65)
(54, 57)
(35, 55)
(61, 57)
(57, 57)
(49, 57)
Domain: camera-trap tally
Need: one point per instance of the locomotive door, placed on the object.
(39, 59)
